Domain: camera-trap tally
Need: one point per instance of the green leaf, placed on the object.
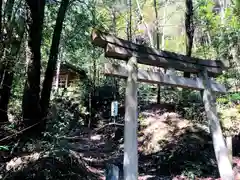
(4, 148)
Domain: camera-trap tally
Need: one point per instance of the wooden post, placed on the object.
(229, 146)
(220, 149)
(66, 83)
(130, 163)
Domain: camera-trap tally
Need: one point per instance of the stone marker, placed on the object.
(112, 172)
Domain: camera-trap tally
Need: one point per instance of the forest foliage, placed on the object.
(37, 35)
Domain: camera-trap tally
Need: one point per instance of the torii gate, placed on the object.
(136, 54)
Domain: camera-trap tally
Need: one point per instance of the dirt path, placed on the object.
(169, 148)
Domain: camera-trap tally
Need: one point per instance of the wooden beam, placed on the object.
(161, 78)
(117, 52)
(220, 149)
(130, 162)
(229, 147)
(101, 39)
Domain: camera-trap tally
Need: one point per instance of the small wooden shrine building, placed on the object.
(67, 75)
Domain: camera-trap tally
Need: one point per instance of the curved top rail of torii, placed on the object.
(122, 49)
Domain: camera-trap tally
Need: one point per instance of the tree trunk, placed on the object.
(27, 52)
(157, 24)
(94, 75)
(141, 18)
(222, 9)
(189, 30)
(7, 28)
(9, 9)
(145, 24)
(163, 30)
(1, 21)
(158, 47)
(5, 95)
(30, 102)
(51, 66)
(57, 74)
(1, 34)
(7, 79)
(11, 48)
(129, 20)
(170, 70)
(114, 30)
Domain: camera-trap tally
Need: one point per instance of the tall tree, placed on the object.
(8, 73)
(6, 32)
(9, 9)
(157, 24)
(14, 31)
(149, 34)
(60, 56)
(157, 45)
(52, 62)
(141, 18)
(189, 28)
(1, 7)
(31, 97)
(129, 20)
(114, 30)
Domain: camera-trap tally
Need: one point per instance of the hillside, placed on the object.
(170, 148)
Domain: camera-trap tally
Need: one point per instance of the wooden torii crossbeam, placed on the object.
(118, 48)
(161, 78)
(136, 54)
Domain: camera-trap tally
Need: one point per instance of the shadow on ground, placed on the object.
(170, 147)
(66, 166)
(189, 154)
